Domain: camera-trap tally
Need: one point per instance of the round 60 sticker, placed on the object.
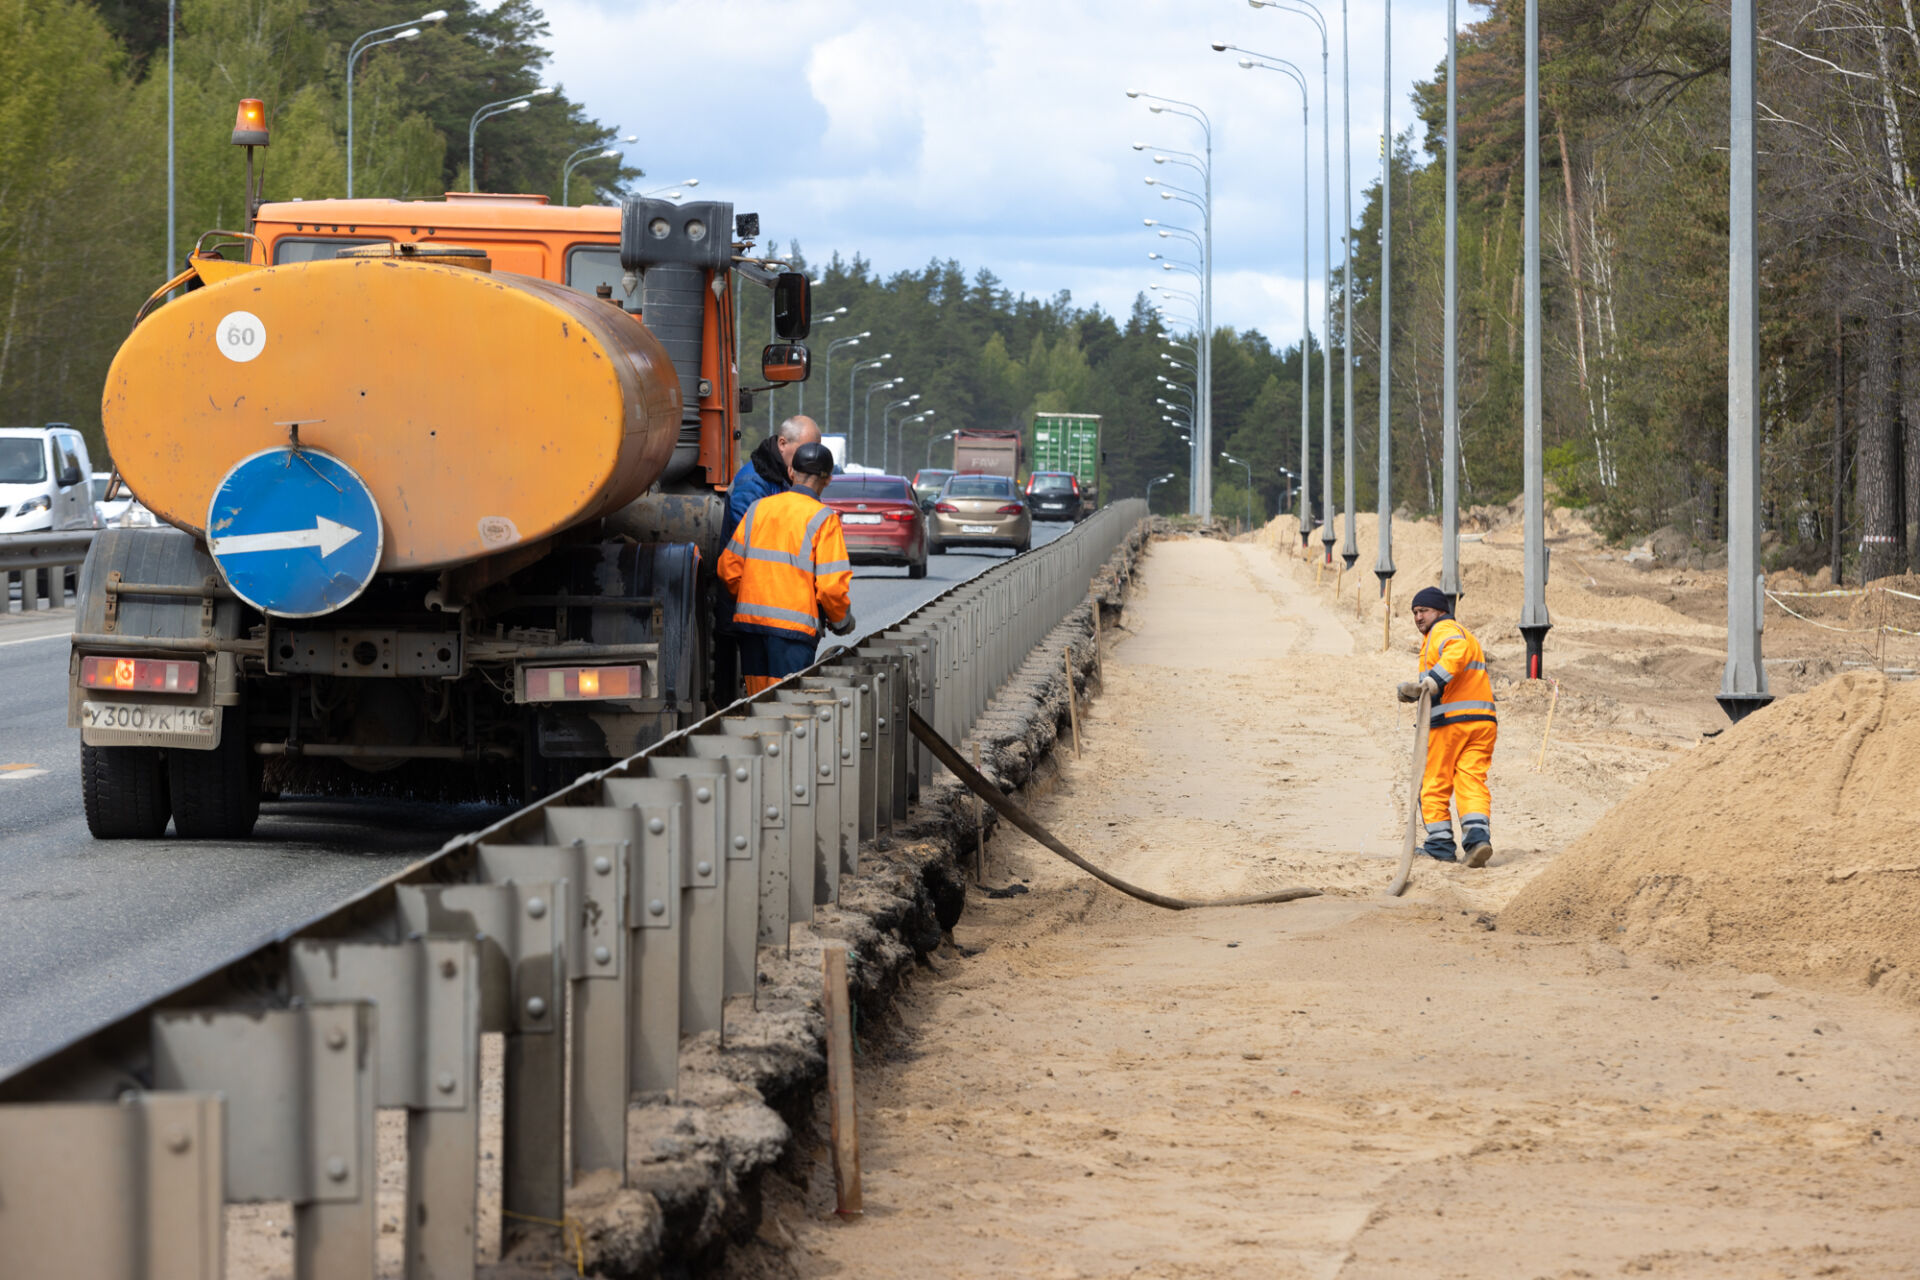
(241, 336)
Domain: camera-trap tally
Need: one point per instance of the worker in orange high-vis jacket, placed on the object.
(787, 567)
(1453, 668)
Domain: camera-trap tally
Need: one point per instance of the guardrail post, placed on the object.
(867, 676)
(428, 994)
(723, 814)
(589, 848)
(786, 860)
(521, 929)
(702, 924)
(299, 1086)
(816, 858)
(656, 907)
(129, 1189)
(836, 765)
(740, 759)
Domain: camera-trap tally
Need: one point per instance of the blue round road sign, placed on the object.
(295, 532)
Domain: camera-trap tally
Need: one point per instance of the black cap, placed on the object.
(1431, 598)
(812, 460)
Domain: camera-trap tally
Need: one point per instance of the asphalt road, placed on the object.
(94, 929)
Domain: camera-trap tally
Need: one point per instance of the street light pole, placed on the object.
(901, 449)
(1156, 480)
(934, 441)
(884, 415)
(1743, 687)
(1534, 622)
(573, 162)
(488, 112)
(1383, 565)
(1203, 443)
(853, 382)
(365, 42)
(1283, 65)
(1449, 390)
(826, 419)
(1230, 458)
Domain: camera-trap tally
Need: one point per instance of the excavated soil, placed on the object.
(1359, 1087)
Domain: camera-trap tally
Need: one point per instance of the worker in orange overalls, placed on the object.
(1453, 668)
(787, 567)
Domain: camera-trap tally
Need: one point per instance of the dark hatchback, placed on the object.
(1055, 495)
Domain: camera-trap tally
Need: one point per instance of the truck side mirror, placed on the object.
(792, 306)
(785, 361)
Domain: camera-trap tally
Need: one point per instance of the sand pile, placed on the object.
(1788, 846)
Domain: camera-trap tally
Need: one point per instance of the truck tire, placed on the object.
(216, 794)
(124, 790)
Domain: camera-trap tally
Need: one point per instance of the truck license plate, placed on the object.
(146, 723)
(976, 528)
(859, 519)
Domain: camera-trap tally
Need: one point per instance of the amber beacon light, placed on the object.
(250, 123)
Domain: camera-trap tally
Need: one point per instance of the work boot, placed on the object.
(1479, 842)
(1439, 844)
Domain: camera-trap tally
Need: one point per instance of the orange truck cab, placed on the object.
(538, 407)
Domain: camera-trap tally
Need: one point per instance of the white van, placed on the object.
(45, 480)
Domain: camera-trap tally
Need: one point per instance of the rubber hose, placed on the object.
(976, 783)
(1421, 727)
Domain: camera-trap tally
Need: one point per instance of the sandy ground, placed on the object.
(1351, 1086)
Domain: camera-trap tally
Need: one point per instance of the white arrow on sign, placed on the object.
(328, 535)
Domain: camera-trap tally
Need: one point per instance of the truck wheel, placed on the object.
(216, 794)
(125, 792)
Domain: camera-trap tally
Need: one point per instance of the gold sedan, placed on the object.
(975, 510)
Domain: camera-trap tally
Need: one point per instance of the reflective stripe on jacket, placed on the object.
(787, 565)
(1456, 662)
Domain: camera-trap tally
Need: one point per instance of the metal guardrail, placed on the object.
(593, 929)
(27, 554)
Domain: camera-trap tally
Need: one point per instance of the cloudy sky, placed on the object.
(997, 132)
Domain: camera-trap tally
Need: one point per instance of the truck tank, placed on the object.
(484, 411)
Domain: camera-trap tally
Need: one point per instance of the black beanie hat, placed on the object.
(1431, 598)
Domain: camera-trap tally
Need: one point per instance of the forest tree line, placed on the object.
(1634, 234)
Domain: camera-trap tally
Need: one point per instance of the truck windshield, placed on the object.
(22, 461)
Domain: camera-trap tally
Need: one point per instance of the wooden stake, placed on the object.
(979, 830)
(1098, 670)
(1553, 701)
(840, 1109)
(1073, 700)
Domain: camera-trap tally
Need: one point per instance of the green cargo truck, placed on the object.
(1068, 442)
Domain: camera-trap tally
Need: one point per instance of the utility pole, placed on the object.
(1743, 688)
(1450, 404)
(172, 266)
(1534, 622)
(1383, 565)
(1350, 548)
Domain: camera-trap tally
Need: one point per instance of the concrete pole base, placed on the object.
(1536, 637)
(1739, 706)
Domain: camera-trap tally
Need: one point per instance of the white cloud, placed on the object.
(996, 131)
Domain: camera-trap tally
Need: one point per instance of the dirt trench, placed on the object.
(1345, 1086)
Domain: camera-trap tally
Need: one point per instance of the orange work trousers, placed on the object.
(1458, 758)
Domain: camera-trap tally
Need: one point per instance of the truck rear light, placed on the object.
(904, 517)
(584, 684)
(155, 675)
(1011, 509)
(946, 508)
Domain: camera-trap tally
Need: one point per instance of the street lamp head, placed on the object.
(1139, 146)
(1150, 222)
(1164, 234)
(1152, 255)
(1246, 64)
(691, 182)
(886, 355)
(1151, 180)
(411, 33)
(1166, 195)
(1159, 159)
(518, 106)
(1221, 46)
(610, 153)
(1156, 109)
(632, 137)
(438, 15)
(1133, 93)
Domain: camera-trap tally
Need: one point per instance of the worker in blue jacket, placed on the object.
(767, 470)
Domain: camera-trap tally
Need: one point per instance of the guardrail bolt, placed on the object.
(536, 1007)
(703, 794)
(773, 813)
(336, 1039)
(448, 969)
(703, 868)
(445, 1082)
(536, 907)
(656, 825)
(656, 908)
(337, 1169)
(740, 842)
(179, 1141)
(602, 956)
(603, 866)
(740, 774)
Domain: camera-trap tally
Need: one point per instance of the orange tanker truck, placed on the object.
(441, 484)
